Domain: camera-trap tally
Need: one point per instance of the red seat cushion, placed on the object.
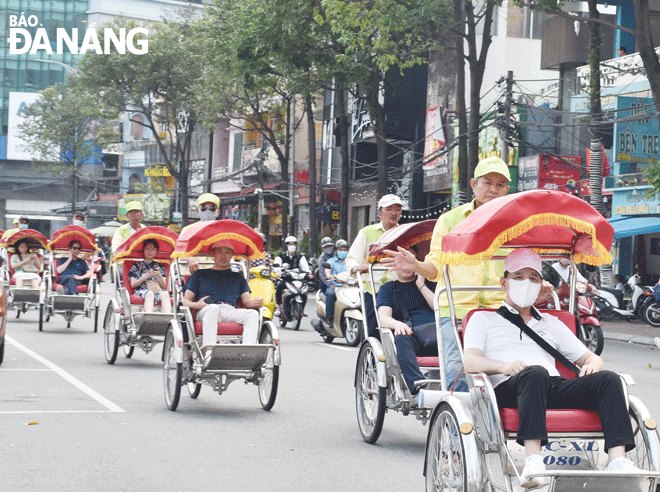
(570, 420)
(224, 328)
(428, 361)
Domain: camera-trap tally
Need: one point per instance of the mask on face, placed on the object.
(328, 251)
(523, 293)
(22, 226)
(291, 248)
(207, 215)
(342, 254)
(78, 223)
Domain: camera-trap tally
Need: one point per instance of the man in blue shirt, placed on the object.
(218, 290)
(72, 271)
(338, 265)
(417, 294)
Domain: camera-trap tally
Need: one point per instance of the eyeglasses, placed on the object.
(204, 208)
(75, 247)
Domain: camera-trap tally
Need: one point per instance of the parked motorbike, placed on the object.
(294, 296)
(262, 285)
(610, 308)
(348, 321)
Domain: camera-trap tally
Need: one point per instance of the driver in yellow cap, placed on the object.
(208, 208)
(135, 215)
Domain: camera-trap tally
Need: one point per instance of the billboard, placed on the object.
(17, 148)
(437, 171)
(636, 142)
(548, 172)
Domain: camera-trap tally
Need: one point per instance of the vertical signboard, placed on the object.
(17, 148)
(437, 172)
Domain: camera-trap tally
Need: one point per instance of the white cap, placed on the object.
(390, 199)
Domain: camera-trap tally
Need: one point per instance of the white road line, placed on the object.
(62, 373)
(18, 369)
(338, 347)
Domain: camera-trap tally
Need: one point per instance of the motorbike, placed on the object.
(294, 296)
(315, 283)
(262, 285)
(348, 321)
(610, 307)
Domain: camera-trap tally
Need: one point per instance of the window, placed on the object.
(238, 151)
(522, 22)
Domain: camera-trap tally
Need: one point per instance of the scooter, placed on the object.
(608, 305)
(589, 332)
(294, 296)
(262, 285)
(348, 321)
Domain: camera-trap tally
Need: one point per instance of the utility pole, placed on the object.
(507, 116)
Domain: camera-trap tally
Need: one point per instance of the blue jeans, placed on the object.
(69, 283)
(453, 362)
(408, 348)
(330, 299)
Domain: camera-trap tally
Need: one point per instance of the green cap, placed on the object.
(208, 198)
(134, 205)
(492, 165)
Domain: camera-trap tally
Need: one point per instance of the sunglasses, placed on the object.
(76, 248)
(204, 208)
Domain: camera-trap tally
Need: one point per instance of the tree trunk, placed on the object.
(284, 168)
(462, 161)
(345, 167)
(311, 171)
(644, 45)
(596, 164)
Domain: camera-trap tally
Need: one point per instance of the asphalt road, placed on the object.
(71, 422)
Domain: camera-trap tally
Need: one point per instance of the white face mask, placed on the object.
(291, 248)
(207, 215)
(23, 226)
(78, 223)
(523, 293)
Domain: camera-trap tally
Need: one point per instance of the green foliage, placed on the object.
(252, 217)
(653, 175)
(63, 127)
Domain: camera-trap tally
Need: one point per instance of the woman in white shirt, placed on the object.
(26, 265)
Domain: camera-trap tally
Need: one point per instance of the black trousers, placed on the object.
(533, 390)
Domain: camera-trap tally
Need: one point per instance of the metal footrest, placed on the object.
(604, 482)
(152, 324)
(25, 295)
(69, 302)
(236, 357)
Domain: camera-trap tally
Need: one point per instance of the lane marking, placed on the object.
(26, 369)
(338, 347)
(56, 411)
(112, 407)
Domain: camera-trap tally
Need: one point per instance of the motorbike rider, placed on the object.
(337, 265)
(328, 252)
(294, 259)
(562, 267)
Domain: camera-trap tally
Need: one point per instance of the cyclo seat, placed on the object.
(225, 328)
(559, 421)
(136, 300)
(82, 288)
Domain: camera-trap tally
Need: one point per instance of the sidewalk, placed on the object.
(635, 331)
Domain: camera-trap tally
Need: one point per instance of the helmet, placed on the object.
(326, 241)
(341, 243)
(290, 239)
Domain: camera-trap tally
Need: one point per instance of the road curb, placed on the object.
(623, 337)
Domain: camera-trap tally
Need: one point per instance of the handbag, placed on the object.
(517, 320)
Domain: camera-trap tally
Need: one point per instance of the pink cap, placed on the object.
(223, 243)
(523, 258)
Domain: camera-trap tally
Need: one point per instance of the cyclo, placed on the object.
(379, 381)
(125, 323)
(469, 435)
(89, 296)
(25, 297)
(185, 359)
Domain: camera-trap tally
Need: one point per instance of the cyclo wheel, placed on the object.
(172, 373)
(128, 351)
(445, 453)
(42, 309)
(296, 314)
(270, 375)
(96, 319)
(110, 335)
(369, 397)
(194, 389)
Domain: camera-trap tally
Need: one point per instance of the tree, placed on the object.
(644, 45)
(64, 128)
(376, 36)
(157, 85)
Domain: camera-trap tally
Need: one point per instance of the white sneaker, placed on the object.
(59, 289)
(533, 464)
(656, 340)
(621, 464)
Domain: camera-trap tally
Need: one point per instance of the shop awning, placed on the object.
(633, 226)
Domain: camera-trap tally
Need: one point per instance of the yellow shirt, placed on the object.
(488, 273)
